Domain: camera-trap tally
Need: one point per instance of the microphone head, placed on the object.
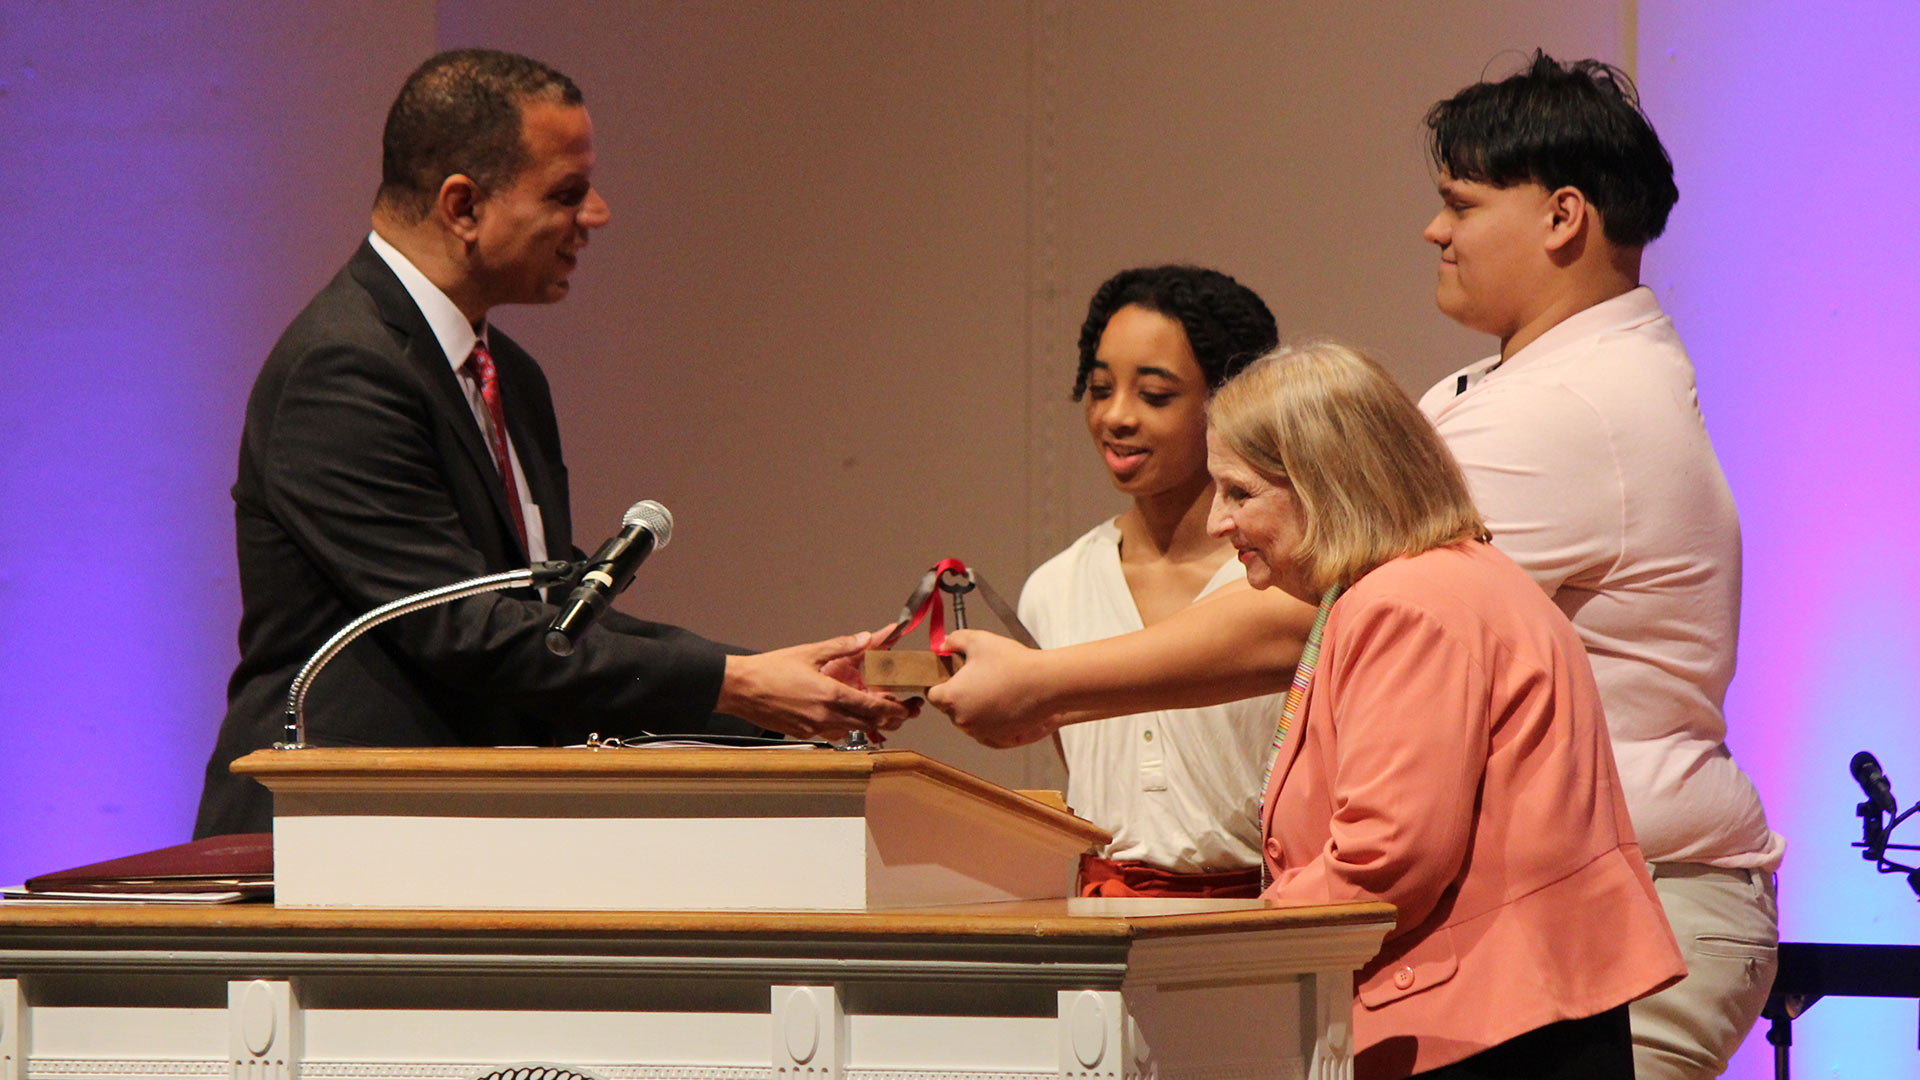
(1866, 771)
(652, 517)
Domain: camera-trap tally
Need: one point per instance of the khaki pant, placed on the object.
(1728, 928)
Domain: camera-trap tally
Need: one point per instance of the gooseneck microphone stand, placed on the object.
(538, 575)
(1875, 827)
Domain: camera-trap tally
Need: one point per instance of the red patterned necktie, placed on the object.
(497, 433)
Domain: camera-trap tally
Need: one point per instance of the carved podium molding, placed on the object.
(1077, 989)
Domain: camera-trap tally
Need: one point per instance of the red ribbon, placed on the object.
(937, 624)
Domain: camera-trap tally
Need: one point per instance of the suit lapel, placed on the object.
(533, 465)
(522, 405)
(447, 396)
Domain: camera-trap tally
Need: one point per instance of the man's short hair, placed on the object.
(459, 113)
(1559, 125)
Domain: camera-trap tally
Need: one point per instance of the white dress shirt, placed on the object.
(457, 336)
(1588, 456)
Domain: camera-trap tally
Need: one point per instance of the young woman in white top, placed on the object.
(1178, 788)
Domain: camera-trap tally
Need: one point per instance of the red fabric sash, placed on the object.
(1127, 877)
(934, 607)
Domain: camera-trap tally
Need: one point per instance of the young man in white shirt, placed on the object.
(1584, 446)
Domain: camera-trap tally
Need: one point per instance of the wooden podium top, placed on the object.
(800, 761)
(797, 769)
(1024, 957)
(1083, 918)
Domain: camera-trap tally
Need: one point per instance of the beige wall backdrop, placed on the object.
(832, 323)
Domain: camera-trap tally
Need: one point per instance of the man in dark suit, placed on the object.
(396, 441)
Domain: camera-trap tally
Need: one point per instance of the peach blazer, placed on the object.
(1452, 759)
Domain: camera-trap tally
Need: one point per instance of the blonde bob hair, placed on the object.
(1372, 477)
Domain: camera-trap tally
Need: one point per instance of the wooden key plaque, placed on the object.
(907, 670)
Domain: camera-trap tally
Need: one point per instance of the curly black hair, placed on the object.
(1576, 124)
(1227, 324)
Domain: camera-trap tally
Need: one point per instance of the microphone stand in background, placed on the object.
(1879, 815)
(540, 575)
(1811, 970)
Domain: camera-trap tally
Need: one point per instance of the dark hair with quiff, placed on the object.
(1227, 324)
(1557, 124)
(459, 113)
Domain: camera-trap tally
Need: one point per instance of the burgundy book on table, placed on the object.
(242, 862)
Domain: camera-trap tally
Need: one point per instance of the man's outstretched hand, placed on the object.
(810, 691)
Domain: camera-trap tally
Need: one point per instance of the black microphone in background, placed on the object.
(1879, 791)
(645, 527)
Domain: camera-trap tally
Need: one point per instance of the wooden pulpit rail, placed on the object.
(1064, 987)
(1129, 919)
(586, 769)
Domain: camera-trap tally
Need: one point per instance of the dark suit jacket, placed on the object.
(363, 477)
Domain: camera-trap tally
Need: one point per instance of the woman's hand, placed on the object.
(997, 696)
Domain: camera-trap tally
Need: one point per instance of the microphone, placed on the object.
(646, 526)
(1874, 782)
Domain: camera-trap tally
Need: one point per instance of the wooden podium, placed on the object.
(827, 988)
(629, 829)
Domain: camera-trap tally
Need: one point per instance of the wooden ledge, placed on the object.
(853, 770)
(1110, 918)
